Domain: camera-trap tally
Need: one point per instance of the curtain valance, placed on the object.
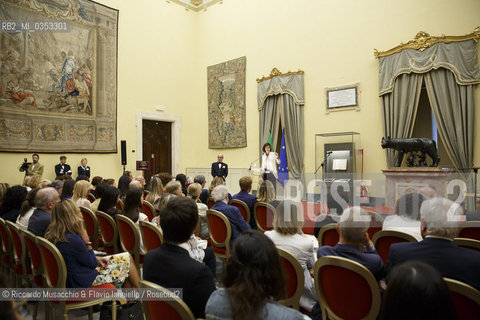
(277, 83)
(461, 58)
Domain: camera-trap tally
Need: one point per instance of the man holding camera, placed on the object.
(32, 169)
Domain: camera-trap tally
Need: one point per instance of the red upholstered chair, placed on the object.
(210, 202)
(151, 234)
(220, 233)
(119, 205)
(467, 243)
(21, 269)
(55, 273)
(264, 213)
(328, 235)
(470, 229)
(91, 225)
(109, 231)
(465, 298)
(385, 238)
(145, 194)
(375, 225)
(148, 209)
(346, 289)
(91, 197)
(170, 307)
(129, 238)
(7, 248)
(294, 279)
(242, 206)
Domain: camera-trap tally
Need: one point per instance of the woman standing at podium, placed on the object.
(269, 164)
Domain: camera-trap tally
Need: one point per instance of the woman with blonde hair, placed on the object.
(266, 193)
(156, 190)
(287, 234)
(216, 182)
(80, 193)
(84, 269)
(194, 191)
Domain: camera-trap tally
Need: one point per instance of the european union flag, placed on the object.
(283, 166)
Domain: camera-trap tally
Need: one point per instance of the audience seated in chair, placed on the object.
(416, 291)
(182, 178)
(173, 265)
(217, 181)
(407, 215)
(287, 234)
(12, 202)
(220, 196)
(200, 179)
(95, 182)
(84, 269)
(194, 190)
(175, 188)
(132, 210)
(80, 192)
(41, 217)
(165, 177)
(156, 190)
(109, 200)
(245, 196)
(67, 190)
(26, 211)
(439, 222)
(253, 277)
(266, 193)
(99, 190)
(123, 184)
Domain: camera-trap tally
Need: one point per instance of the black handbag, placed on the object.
(129, 311)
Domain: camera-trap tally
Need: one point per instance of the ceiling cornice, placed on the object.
(196, 5)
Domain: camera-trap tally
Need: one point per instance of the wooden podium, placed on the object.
(427, 180)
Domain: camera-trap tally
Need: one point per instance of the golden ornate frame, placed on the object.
(275, 72)
(423, 40)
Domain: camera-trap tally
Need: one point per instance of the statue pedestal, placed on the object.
(400, 181)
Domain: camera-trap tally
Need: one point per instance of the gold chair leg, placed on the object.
(90, 313)
(114, 310)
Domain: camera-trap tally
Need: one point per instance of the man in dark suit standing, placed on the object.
(171, 266)
(63, 168)
(45, 200)
(249, 199)
(219, 168)
(439, 222)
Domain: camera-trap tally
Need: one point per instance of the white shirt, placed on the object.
(269, 163)
(403, 224)
(22, 222)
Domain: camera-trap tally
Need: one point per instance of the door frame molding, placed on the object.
(176, 125)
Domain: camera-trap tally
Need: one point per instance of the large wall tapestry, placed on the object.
(58, 76)
(226, 105)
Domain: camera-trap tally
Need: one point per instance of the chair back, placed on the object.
(35, 257)
(467, 243)
(148, 209)
(220, 233)
(7, 246)
(170, 307)
(470, 229)
(244, 209)
(119, 205)
(346, 289)
(91, 225)
(375, 225)
(55, 271)
(151, 234)
(264, 213)
(328, 235)
(466, 299)
(18, 246)
(145, 194)
(385, 238)
(109, 232)
(129, 237)
(91, 197)
(210, 202)
(294, 279)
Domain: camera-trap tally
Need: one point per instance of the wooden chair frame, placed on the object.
(119, 205)
(175, 303)
(90, 218)
(19, 254)
(46, 247)
(210, 202)
(463, 289)
(468, 225)
(135, 252)
(91, 197)
(6, 248)
(242, 206)
(215, 241)
(467, 243)
(104, 218)
(351, 265)
(323, 230)
(294, 300)
(391, 233)
(150, 226)
(268, 207)
(150, 212)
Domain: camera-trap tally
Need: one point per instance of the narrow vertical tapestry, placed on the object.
(58, 76)
(226, 105)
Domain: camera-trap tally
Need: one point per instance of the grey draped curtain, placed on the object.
(278, 112)
(400, 109)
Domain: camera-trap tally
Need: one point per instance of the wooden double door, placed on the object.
(157, 146)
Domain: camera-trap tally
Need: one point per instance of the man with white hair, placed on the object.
(220, 196)
(439, 225)
(354, 242)
(41, 218)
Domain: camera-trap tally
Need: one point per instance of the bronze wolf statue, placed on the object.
(405, 145)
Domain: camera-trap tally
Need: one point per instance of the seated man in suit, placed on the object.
(245, 196)
(41, 218)
(220, 196)
(63, 168)
(439, 222)
(219, 168)
(171, 265)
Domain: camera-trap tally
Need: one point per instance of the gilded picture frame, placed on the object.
(58, 76)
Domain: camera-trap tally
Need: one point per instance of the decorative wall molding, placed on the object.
(275, 72)
(196, 5)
